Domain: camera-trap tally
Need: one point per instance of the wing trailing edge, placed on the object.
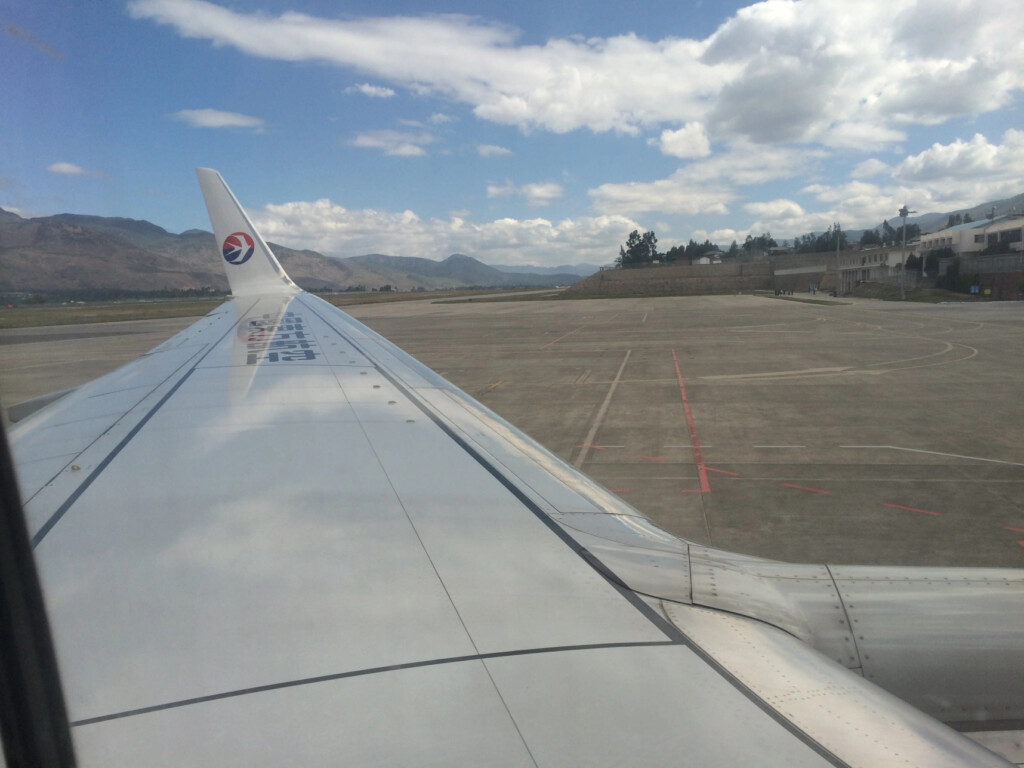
(251, 266)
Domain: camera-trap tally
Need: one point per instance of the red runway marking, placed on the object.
(698, 456)
(1015, 530)
(723, 471)
(650, 458)
(910, 509)
(805, 488)
(1021, 543)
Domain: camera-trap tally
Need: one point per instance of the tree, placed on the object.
(639, 249)
(695, 250)
(952, 281)
(931, 260)
(826, 241)
(734, 248)
(651, 243)
(888, 234)
(675, 253)
(763, 243)
(834, 238)
(870, 237)
(913, 232)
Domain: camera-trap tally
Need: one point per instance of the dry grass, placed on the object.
(77, 314)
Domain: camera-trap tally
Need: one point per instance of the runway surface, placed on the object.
(861, 432)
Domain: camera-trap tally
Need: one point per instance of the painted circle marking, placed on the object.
(238, 248)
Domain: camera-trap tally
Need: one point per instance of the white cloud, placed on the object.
(973, 160)
(818, 70)
(963, 173)
(776, 209)
(542, 193)
(706, 186)
(439, 118)
(870, 167)
(944, 177)
(721, 237)
(775, 87)
(673, 195)
(688, 141)
(398, 143)
(502, 190)
(373, 91)
(67, 169)
(865, 136)
(538, 193)
(337, 231)
(215, 118)
(491, 150)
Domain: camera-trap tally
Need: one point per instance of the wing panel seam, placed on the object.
(77, 493)
(366, 672)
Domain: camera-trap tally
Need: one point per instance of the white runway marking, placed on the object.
(776, 374)
(778, 446)
(588, 441)
(936, 453)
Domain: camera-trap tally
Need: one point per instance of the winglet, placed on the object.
(251, 266)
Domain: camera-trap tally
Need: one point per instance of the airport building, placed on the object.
(875, 265)
(976, 236)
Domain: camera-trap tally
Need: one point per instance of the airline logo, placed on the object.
(238, 248)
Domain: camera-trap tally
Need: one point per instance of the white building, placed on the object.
(877, 265)
(974, 237)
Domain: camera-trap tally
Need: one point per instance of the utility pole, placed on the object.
(838, 273)
(904, 212)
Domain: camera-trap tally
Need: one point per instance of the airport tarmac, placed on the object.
(856, 432)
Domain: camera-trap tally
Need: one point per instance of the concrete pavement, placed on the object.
(863, 432)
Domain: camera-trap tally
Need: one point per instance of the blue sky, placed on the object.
(518, 133)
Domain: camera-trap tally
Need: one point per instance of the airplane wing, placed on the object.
(278, 539)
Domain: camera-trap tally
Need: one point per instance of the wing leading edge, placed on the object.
(295, 543)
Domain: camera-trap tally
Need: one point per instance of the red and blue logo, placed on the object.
(238, 248)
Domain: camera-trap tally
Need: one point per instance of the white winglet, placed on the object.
(251, 266)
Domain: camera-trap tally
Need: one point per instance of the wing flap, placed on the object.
(836, 709)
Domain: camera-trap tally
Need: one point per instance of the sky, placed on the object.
(518, 133)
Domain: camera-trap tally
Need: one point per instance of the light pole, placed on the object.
(838, 273)
(904, 212)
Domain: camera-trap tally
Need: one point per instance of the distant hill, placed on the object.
(934, 221)
(457, 270)
(70, 253)
(583, 270)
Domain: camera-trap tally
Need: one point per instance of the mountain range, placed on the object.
(71, 253)
(77, 254)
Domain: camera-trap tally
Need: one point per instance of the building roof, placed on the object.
(980, 223)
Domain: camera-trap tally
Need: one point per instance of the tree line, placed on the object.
(890, 235)
(641, 249)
